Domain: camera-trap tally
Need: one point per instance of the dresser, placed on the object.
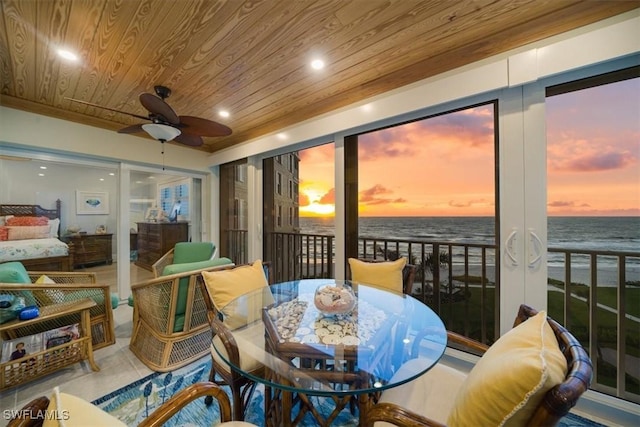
(91, 248)
(157, 238)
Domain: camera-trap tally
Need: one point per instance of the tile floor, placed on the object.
(118, 367)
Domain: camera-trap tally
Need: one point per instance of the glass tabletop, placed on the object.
(386, 339)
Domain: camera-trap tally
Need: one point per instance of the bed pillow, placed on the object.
(29, 232)
(27, 220)
(4, 233)
(55, 226)
(512, 377)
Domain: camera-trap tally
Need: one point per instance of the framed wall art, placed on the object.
(92, 203)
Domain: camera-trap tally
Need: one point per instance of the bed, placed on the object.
(37, 254)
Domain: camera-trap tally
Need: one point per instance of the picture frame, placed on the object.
(92, 203)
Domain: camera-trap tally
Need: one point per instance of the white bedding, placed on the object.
(16, 250)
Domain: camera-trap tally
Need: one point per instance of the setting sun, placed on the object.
(314, 203)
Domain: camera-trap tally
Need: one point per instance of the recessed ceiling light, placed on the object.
(43, 167)
(101, 179)
(223, 113)
(67, 54)
(317, 64)
(111, 174)
(40, 174)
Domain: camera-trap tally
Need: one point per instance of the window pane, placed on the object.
(593, 206)
(427, 191)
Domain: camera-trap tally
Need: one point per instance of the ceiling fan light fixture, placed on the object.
(161, 132)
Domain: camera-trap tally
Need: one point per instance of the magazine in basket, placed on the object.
(24, 346)
(60, 336)
(21, 347)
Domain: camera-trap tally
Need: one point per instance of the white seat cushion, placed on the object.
(71, 411)
(248, 363)
(431, 394)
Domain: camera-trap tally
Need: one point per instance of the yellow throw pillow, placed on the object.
(226, 285)
(65, 410)
(48, 296)
(511, 378)
(386, 274)
(44, 279)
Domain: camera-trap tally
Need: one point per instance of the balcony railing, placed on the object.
(598, 303)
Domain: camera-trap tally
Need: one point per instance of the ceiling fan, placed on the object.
(165, 124)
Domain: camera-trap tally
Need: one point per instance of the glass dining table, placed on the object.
(387, 339)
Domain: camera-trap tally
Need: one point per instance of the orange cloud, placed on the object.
(370, 196)
(329, 198)
(303, 200)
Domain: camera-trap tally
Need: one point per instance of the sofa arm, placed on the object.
(42, 295)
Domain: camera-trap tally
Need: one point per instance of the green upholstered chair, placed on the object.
(170, 326)
(183, 253)
(196, 254)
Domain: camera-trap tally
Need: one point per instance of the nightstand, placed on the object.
(91, 248)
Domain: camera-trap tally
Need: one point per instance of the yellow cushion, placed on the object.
(48, 296)
(226, 285)
(386, 274)
(511, 378)
(72, 411)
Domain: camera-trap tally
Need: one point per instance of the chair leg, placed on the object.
(238, 410)
(208, 400)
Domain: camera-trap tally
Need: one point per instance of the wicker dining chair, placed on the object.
(241, 387)
(440, 387)
(157, 418)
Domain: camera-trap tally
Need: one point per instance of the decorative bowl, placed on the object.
(333, 299)
(73, 229)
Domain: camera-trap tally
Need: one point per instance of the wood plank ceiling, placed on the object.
(252, 57)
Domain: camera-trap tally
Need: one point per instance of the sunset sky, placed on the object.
(444, 166)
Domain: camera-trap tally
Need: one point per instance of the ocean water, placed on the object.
(577, 233)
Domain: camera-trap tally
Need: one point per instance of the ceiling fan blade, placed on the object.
(190, 140)
(131, 129)
(158, 107)
(107, 108)
(203, 127)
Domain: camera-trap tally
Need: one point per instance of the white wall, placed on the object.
(21, 184)
(34, 131)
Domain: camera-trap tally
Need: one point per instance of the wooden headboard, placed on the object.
(30, 210)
